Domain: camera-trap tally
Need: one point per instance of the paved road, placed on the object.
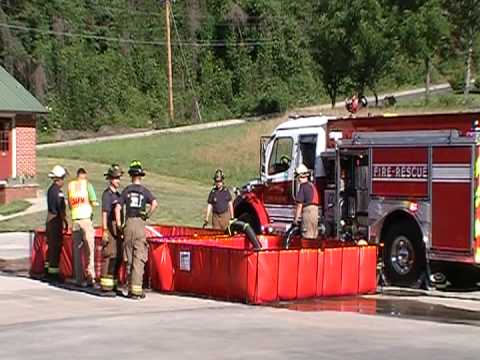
(14, 245)
(41, 322)
(38, 320)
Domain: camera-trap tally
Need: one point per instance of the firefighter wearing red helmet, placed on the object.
(139, 205)
(220, 203)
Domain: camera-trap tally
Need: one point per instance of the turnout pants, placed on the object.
(83, 244)
(136, 253)
(220, 221)
(54, 232)
(112, 259)
(310, 222)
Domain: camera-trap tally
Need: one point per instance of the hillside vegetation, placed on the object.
(102, 62)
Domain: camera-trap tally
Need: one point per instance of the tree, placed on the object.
(373, 48)
(465, 18)
(332, 45)
(423, 32)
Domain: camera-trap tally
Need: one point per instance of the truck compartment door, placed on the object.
(452, 176)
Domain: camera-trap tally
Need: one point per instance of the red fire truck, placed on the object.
(408, 182)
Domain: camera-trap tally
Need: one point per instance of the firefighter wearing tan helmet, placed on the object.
(306, 214)
(139, 205)
(112, 249)
(220, 203)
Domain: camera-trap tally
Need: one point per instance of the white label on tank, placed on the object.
(185, 263)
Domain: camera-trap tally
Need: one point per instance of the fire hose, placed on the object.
(291, 232)
(244, 227)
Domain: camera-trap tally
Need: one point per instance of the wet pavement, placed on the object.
(389, 307)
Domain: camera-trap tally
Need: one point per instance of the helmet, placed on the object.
(58, 172)
(302, 170)
(115, 171)
(219, 175)
(136, 169)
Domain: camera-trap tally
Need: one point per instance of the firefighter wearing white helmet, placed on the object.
(56, 220)
(307, 200)
(219, 203)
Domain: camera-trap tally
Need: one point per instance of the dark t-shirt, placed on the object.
(307, 194)
(219, 199)
(56, 200)
(135, 197)
(109, 200)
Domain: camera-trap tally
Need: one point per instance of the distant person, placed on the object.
(356, 103)
(81, 200)
(112, 247)
(219, 203)
(307, 199)
(56, 220)
(136, 197)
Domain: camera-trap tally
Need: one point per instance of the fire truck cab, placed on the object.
(408, 182)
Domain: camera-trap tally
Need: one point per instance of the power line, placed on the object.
(131, 41)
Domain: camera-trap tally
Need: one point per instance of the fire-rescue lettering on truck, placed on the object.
(408, 182)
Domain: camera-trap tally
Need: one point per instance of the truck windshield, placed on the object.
(281, 155)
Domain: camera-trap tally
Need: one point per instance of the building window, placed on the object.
(4, 140)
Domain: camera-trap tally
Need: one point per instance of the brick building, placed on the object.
(18, 116)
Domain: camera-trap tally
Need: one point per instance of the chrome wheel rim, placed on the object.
(402, 255)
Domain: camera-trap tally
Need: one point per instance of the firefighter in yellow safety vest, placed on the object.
(81, 200)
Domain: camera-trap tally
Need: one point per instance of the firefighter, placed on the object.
(112, 249)
(56, 220)
(307, 200)
(81, 200)
(220, 203)
(135, 197)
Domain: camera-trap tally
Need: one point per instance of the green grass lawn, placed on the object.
(180, 201)
(192, 155)
(14, 207)
(179, 168)
(444, 102)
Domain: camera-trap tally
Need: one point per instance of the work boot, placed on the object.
(136, 296)
(52, 278)
(96, 286)
(122, 291)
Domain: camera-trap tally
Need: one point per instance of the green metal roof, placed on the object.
(15, 98)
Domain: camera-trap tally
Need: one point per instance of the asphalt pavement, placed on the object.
(15, 245)
(39, 321)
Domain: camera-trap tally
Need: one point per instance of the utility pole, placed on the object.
(169, 61)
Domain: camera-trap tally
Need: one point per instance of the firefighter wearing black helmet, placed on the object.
(220, 203)
(139, 205)
(112, 219)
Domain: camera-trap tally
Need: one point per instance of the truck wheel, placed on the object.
(404, 254)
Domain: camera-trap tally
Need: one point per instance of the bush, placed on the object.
(455, 78)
